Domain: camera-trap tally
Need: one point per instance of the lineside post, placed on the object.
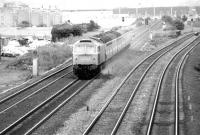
(35, 64)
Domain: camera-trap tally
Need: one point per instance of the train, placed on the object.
(90, 55)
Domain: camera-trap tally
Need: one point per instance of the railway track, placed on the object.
(167, 96)
(22, 112)
(29, 87)
(16, 108)
(33, 116)
(118, 104)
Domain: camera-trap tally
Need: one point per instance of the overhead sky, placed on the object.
(105, 4)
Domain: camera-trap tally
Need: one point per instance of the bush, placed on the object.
(178, 24)
(53, 55)
(24, 24)
(83, 26)
(92, 26)
(66, 30)
(61, 31)
(22, 62)
(167, 19)
(76, 30)
(184, 18)
(139, 21)
(49, 56)
(42, 25)
(23, 41)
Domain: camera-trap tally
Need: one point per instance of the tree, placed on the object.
(92, 26)
(24, 24)
(178, 24)
(184, 18)
(167, 19)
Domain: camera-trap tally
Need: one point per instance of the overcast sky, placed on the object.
(105, 4)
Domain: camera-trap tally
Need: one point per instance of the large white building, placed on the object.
(12, 14)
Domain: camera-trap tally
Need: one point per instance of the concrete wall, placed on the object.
(158, 11)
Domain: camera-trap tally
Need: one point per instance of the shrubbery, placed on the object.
(49, 56)
(61, 31)
(53, 55)
(24, 24)
(65, 30)
(184, 18)
(42, 25)
(167, 19)
(76, 30)
(176, 23)
(139, 21)
(92, 26)
(23, 41)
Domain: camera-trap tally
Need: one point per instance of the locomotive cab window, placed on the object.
(85, 49)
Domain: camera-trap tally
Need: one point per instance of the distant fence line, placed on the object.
(157, 11)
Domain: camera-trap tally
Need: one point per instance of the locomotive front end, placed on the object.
(85, 58)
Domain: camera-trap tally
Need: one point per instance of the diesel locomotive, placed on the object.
(89, 55)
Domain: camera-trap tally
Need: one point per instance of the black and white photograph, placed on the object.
(99, 67)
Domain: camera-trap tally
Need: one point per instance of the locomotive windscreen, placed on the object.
(84, 48)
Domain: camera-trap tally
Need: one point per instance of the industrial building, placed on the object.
(12, 14)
